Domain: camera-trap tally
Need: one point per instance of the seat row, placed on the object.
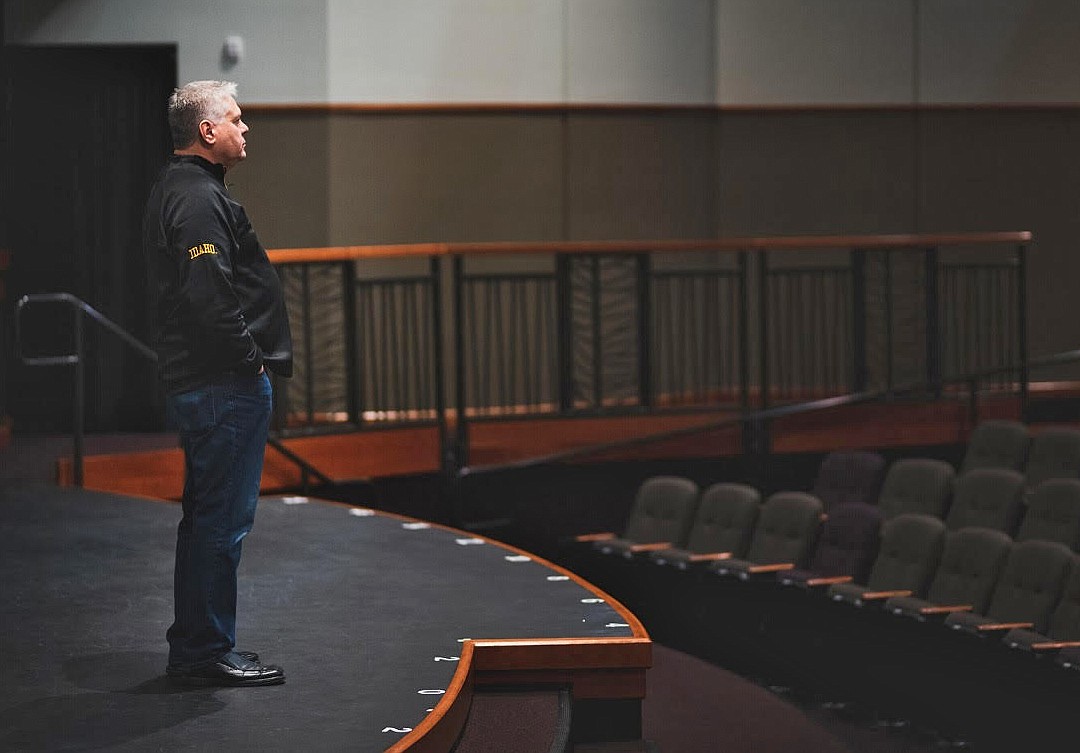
(862, 476)
(729, 526)
(770, 583)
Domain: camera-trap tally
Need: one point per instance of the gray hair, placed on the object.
(195, 102)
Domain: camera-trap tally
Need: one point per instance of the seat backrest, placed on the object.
(725, 519)
(848, 542)
(786, 529)
(910, 549)
(1065, 619)
(996, 443)
(1053, 513)
(971, 562)
(987, 498)
(1054, 453)
(847, 476)
(663, 510)
(1031, 583)
(917, 485)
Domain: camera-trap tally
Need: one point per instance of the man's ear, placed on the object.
(206, 131)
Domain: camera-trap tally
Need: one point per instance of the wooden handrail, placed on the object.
(754, 243)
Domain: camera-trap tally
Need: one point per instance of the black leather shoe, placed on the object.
(231, 670)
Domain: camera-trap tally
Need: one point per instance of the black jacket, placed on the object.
(220, 305)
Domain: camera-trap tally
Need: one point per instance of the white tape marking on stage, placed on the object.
(616, 625)
(361, 512)
(430, 692)
(592, 601)
(398, 730)
(517, 558)
(295, 500)
(415, 526)
(448, 658)
(555, 578)
(469, 542)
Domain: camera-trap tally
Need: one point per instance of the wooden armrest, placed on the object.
(878, 595)
(946, 609)
(710, 557)
(830, 580)
(651, 547)
(606, 536)
(991, 626)
(1052, 645)
(774, 568)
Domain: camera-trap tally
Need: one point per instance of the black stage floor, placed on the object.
(365, 611)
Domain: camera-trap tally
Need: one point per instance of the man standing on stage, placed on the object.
(221, 323)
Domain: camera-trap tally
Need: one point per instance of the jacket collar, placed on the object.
(218, 171)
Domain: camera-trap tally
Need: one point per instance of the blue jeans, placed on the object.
(223, 427)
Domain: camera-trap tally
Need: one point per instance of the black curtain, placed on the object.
(86, 134)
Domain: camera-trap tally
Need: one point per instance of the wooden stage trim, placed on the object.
(592, 668)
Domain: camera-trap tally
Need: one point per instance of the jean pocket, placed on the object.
(193, 412)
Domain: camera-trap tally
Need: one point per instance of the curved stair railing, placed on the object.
(77, 359)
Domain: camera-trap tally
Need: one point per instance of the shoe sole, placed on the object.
(223, 683)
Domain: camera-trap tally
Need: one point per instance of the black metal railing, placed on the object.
(642, 326)
(636, 326)
(77, 360)
(697, 338)
(756, 421)
(366, 350)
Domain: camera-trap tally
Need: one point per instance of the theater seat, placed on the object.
(911, 546)
(1063, 631)
(783, 538)
(998, 443)
(1054, 453)
(1053, 513)
(848, 476)
(917, 485)
(846, 548)
(987, 498)
(660, 517)
(722, 526)
(1026, 592)
(971, 562)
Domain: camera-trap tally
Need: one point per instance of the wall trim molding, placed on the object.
(466, 108)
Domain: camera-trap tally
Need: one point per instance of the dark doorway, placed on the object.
(85, 135)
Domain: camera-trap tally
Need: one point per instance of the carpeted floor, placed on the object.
(693, 706)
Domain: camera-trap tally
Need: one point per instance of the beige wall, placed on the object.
(348, 178)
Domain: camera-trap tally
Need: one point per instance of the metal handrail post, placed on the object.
(888, 283)
(645, 359)
(308, 329)
(933, 328)
(744, 331)
(77, 426)
(763, 334)
(352, 359)
(461, 453)
(445, 451)
(564, 327)
(1021, 326)
(858, 323)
